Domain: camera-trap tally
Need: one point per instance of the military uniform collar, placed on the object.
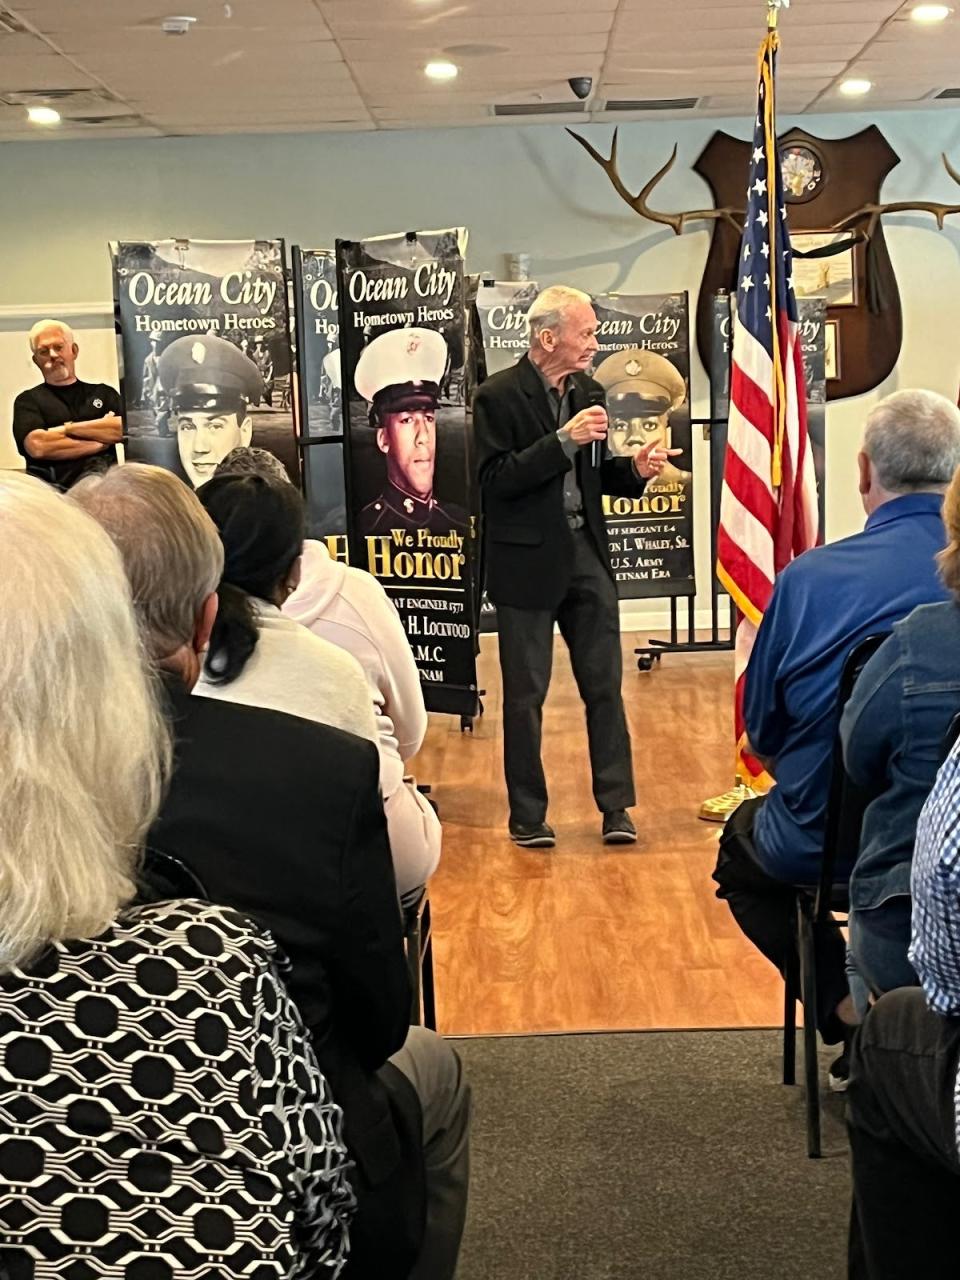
(408, 503)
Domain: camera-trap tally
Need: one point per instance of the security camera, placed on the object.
(581, 86)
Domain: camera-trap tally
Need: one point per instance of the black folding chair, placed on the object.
(418, 942)
(950, 737)
(818, 907)
(163, 877)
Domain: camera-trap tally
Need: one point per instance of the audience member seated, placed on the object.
(904, 1098)
(280, 816)
(823, 604)
(349, 609)
(893, 731)
(151, 1058)
(257, 656)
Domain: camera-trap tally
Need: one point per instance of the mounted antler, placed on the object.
(638, 203)
(876, 211)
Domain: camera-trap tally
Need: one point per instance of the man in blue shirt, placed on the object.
(824, 604)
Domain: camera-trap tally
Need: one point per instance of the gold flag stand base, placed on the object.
(719, 808)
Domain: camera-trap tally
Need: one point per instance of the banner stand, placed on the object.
(718, 642)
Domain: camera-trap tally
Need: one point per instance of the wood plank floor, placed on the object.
(586, 937)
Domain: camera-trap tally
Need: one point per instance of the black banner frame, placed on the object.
(306, 441)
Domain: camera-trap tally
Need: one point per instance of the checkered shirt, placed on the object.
(935, 886)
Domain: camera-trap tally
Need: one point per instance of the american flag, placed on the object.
(768, 505)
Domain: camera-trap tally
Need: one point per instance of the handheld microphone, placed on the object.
(595, 399)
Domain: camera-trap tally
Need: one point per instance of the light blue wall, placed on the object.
(518, 190)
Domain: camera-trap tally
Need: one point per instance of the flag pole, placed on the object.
(719, 808)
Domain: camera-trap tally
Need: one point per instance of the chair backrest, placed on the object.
(162, 877)
(950, 737)
(847, 802)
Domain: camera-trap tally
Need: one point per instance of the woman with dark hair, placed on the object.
(337, 605)
(257, 656)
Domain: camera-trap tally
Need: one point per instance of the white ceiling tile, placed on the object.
(290, 65)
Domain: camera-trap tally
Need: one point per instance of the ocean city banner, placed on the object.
(404, 368)
(321, 395)
(813, 335)
(203, 338)
(502, 307)
(644, 367)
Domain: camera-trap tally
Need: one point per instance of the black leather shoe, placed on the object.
(533, 835)
(617, 828)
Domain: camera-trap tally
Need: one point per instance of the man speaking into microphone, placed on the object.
(541, 429)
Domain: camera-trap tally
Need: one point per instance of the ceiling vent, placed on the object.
(131, 121)
(651, 104)
(948, 93)
(77, 99)
(538, 108)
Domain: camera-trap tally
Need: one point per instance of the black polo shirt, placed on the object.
(45, 406)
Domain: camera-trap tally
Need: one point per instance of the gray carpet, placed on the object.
(655, 1156)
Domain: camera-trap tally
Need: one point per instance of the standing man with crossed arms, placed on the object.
(541, 428)
(64, 428)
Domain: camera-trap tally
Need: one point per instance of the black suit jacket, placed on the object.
(282, 819)
(528, 543)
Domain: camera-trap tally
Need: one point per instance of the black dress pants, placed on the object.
(901, 1116)
(763, 908)
(589, 622)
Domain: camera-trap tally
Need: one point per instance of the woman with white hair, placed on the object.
(159, 1101)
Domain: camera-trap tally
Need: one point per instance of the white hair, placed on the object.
(43, 325)
(170, 547)
(913, 440)
(83, 746)
(549, 307)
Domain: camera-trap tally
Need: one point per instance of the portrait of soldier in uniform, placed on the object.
(209, 386)
(264, 361)
(399, 374)
(330, 391)
(643, 389)
(149, 378)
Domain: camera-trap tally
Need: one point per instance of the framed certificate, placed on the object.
(833, 278)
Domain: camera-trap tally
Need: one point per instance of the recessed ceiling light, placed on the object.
(855, 88)
(930, 12)
(441, 70)
(43, 115)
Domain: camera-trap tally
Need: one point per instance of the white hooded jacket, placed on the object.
(349, 609)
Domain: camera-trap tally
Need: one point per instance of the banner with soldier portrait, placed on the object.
(644, 367)
(403, 357)
(502, 307)
(321, 398)
(813, 320)
(203, 336)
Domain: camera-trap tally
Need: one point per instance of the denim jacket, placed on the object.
(893, 730)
